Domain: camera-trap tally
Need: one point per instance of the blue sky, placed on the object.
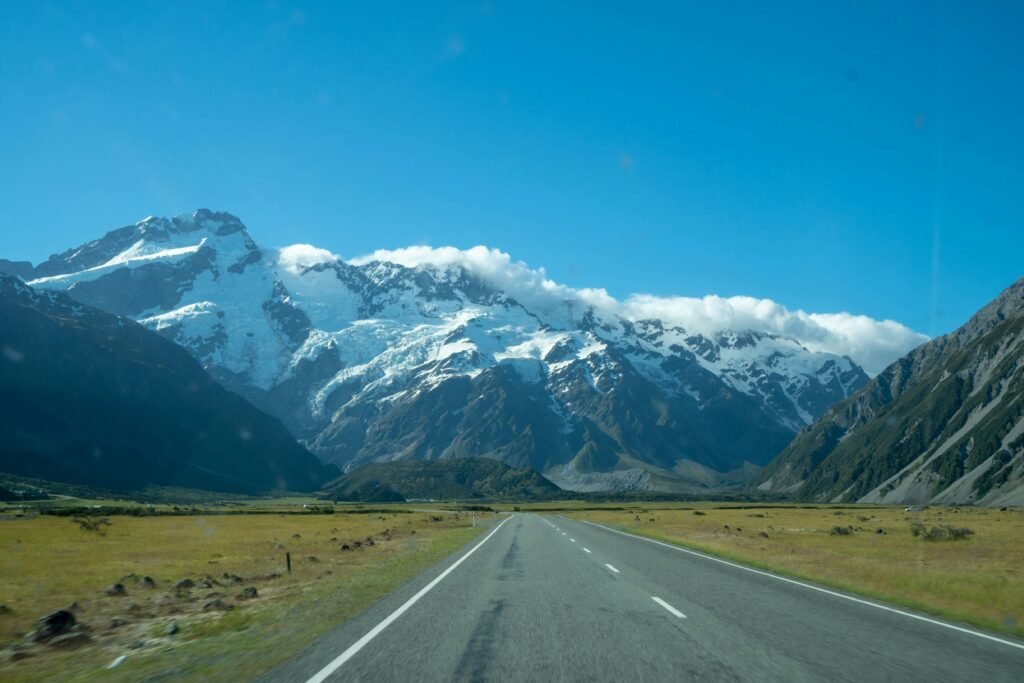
(860, 157)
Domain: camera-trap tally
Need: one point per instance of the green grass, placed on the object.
(48, 562)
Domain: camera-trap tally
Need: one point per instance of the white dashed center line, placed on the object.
(573, 540)
(586, 550)
(612, 568)
(669, 607)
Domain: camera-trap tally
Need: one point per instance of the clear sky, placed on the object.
(862, 157)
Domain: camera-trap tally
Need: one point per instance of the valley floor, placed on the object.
(342, 563)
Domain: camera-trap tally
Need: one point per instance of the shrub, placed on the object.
(940, 533)
(841, 531)
(958, 533)
(95, 524)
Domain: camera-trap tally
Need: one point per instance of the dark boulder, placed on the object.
(248, 593)
(184, 584)
(54, 624)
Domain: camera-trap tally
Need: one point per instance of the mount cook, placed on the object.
(373, 361)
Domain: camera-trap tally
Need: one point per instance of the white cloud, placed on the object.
(873, 344)
(526, 284)
(299, 256)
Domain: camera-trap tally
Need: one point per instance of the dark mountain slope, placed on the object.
(945, 423)
(448, 479)
(87, 397)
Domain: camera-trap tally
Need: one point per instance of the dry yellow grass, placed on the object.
(979, 580)
(47, 563)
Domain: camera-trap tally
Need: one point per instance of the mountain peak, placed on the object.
(220, 223)
(143, 239)
(1009, 304)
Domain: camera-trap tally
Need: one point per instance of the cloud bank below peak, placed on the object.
(873, 344)
(296, 257)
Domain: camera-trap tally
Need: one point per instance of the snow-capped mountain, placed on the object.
(372, 360)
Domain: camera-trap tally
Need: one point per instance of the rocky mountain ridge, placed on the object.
(943, 424)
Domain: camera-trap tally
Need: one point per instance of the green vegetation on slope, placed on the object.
(448, 479)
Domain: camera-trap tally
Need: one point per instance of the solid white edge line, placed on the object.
(669, 607)
(355, 647)
(817, 588)
(612, 568)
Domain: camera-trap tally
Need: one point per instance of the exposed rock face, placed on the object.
(943, 424)
(375, 361)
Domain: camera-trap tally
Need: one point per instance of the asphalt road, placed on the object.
(551, 599)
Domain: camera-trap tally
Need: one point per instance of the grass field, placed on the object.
(48, 563)
(979, 580)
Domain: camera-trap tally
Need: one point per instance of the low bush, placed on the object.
(940, 533)
(95, 524)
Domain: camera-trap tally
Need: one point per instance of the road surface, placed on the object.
(544, 598)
